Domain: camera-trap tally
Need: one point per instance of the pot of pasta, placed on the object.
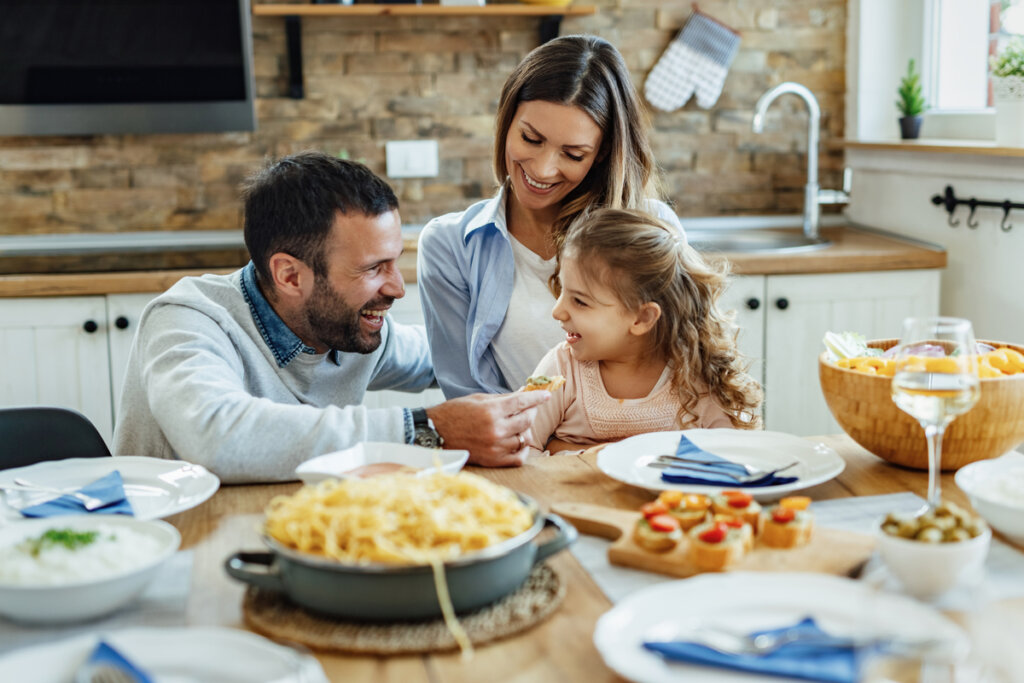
(397, 546)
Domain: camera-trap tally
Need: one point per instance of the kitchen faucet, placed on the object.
(813, 195)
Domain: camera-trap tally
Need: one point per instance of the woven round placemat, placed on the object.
(273, 615)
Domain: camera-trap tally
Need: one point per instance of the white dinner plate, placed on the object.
(171, 655)
(749, 601)
(155, 487)
(335, 465)
(627, 460)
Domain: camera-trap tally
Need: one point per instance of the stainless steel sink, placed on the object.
(759, 240)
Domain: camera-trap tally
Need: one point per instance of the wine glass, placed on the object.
(935, 379)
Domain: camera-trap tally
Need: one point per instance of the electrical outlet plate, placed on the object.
(412, 158)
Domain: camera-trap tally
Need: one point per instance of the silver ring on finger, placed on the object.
(522, 442)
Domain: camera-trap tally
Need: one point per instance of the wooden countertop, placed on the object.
(852, 250)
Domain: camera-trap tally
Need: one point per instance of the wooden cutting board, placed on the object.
(830, 551)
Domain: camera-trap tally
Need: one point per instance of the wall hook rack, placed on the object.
(950, 201)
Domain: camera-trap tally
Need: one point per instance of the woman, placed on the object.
(570, 135)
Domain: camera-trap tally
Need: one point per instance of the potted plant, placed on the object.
(1008, 89)
(910, 103)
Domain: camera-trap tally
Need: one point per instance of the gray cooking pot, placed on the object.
(380, 592)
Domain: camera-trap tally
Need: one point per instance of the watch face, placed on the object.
(427, 437)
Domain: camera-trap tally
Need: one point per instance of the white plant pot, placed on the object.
(1009, 98)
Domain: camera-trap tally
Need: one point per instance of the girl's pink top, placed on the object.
(582, 412)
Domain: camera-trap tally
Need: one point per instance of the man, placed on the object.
(251, 373)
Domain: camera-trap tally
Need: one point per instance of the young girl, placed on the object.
(646, 346)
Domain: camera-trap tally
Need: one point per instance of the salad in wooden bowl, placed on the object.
(856, 386)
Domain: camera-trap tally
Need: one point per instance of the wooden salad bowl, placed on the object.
(862, 405)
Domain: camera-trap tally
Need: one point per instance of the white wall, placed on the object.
(984, 280)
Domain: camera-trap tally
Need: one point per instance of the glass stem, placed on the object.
(933, 433)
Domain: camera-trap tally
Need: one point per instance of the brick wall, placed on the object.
(374, 79)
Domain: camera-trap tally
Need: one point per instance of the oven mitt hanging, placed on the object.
(697, 60)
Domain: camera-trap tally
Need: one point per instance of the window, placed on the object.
(950, 40)
(959, 38)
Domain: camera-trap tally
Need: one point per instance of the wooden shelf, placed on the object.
(976, 147)
(550, 22)
(399, 9)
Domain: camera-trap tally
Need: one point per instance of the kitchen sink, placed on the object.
(753, 240)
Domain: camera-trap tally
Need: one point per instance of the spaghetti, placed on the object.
(397, 518)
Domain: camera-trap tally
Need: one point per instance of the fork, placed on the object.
(753, 474)
(103, 673)
(88, 501)
(729, 642)
(750, 470)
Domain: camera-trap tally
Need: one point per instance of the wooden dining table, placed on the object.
(560, 648)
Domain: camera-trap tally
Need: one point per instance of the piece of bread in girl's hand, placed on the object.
(788, 524)
(538, 382)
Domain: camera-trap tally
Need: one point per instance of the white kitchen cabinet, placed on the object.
(53, 351)
(792, 314)
(123, 312)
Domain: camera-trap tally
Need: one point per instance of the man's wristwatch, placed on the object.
(424, 433)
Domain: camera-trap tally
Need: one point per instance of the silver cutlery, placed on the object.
(753, 474)
(729, 642)
(750, 469)
(103, 673)
(90, 502)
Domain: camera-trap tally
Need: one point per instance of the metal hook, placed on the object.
(971, 223)
(1003, 225)
(949, 219)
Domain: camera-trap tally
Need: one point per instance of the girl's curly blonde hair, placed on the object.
(643, 259)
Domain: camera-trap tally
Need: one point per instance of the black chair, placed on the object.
(33, 434)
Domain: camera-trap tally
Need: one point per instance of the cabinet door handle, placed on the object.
(782, 303)
(121, 323)
(90, 326)
(753, 303)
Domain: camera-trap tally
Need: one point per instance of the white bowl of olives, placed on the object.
(932, 552)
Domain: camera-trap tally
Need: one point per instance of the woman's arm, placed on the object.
(445, 297)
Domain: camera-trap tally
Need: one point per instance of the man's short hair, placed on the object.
(290, 206)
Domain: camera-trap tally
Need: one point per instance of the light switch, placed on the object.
(411, 158)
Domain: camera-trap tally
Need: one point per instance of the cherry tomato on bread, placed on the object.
(715, 534)
(663, 523)
(655, 507)
(783, 515)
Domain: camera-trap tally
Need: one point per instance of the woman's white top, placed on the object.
(528, 331)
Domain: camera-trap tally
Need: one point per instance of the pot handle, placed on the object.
(255, 568)
(565, 537)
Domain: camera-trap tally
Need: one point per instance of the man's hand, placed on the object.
(489, 426)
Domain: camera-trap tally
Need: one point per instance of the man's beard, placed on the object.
(336, 324)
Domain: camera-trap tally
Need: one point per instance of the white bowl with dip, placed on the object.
(373, 457)
(996, 490)
(89, 566)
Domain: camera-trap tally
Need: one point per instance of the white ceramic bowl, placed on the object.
(928, 570)
(335, 465)
(995, 493)
(81, 599)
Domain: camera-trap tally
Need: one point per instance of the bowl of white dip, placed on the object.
(996, 490)
(78, 567)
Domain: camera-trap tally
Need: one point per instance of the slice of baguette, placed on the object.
(538, 382)
(715, 557)
(786, 534)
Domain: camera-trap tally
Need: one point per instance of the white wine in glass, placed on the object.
(935, 380)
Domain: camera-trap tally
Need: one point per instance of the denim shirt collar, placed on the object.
(283, 343)
(491, 215)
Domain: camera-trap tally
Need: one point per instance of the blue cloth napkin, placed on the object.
(109, 489)
(106, 654)
(797, 660)
(723, 474)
